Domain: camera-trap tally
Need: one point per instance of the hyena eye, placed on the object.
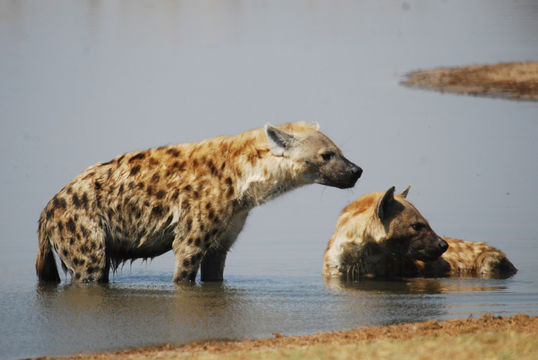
(326, 156)
(418, 226)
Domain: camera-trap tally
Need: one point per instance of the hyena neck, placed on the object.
(269, 178)
(264, 176)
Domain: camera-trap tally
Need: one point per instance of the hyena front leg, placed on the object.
(188, 251)
(212, 268)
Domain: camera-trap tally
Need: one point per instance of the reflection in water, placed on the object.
(412, 285)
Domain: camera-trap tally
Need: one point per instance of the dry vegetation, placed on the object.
(487, 337)
(510, 80)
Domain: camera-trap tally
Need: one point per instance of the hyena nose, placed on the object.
(356, 171)
(442, 245)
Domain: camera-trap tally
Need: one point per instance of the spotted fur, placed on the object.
(190, 198)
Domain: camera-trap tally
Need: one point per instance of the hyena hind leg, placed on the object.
(85, 259)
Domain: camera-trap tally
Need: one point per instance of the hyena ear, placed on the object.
(405, 192)
(280, 141)
(384, 204)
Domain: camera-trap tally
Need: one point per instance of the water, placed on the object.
(84, 81)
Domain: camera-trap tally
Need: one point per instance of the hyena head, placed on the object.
(315, 157)
(407, 232)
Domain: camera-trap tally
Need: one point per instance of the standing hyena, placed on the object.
(191, 198)
(384, 235)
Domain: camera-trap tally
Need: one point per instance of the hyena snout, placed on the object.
(435, 249)
(343, 174)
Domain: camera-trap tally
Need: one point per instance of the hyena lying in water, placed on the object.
(384, 235)
(190, 198)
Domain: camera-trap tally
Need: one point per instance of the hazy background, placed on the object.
(84, 81)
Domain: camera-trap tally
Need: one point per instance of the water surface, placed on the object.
(84, 81)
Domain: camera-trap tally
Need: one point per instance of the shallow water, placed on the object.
(81, 82)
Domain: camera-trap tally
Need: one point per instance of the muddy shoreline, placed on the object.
(516, 81)
(486, 324)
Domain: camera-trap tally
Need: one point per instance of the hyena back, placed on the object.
(190, 198)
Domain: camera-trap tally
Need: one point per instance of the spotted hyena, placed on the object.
(384, 235)
(190, 198)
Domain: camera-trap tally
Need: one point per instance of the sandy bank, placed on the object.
(509, 80)
(505, 337)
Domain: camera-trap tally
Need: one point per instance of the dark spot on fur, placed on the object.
(223, 166)
(90, 269)
(175, 195)
(49, 214)
(94, 259)
(131, 185)
(185, 205)
(202, 227)
(195, 163)
(173, 152)
(189, 224)
(107, 163)
(135, 170)
(186, 262)
(118, 208)
(98, 200)
(69, 190)
(85, 200)
(138, 156)
(149, 190)
(187, 188)
(208, 205)
(229, 181)
(216, 220)
(59, 203)
(76, 201)
(153, 161)
(97, 185)
(65, 252)
(140, 185)
(71, 226)
(189, 241)
(120, 190)
(60, 226)
(230, 192)
(155, 178)
(84, 230)
(160, 194)
(77, 276)
(157, 210)
(211, 214)
(120, 158)
(76, 261)
(196, 194)
(71, 241)
(206, 238)
(197, 241)
(110, 213)
(212, 167)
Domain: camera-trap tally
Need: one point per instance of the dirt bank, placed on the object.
(514, 335)
(509, 80)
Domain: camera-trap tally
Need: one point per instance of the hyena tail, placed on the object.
(45, 264)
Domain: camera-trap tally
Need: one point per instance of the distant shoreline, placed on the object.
(485, 337)
(517, 81)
